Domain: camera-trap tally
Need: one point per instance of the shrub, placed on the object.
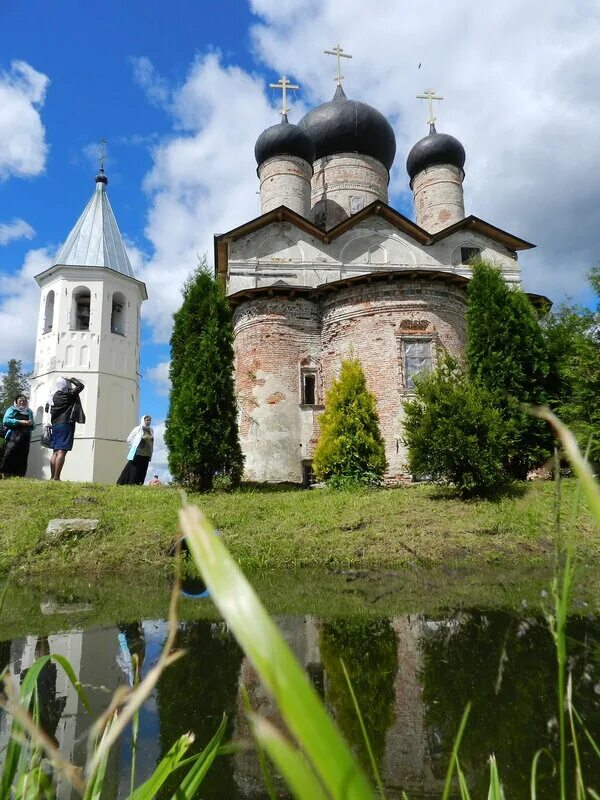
(350, 448)
(454, 432)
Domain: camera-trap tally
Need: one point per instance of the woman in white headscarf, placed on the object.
(141, 441)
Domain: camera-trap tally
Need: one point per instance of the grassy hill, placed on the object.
(286, 529)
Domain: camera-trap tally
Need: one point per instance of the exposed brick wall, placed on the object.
(275, 337)
(438, 197)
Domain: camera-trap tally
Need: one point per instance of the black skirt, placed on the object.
(16, 452)
(134, 472)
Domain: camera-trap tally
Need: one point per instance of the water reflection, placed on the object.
(412, 675)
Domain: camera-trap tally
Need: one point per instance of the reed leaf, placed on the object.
(168, 765)
(192, 781)
(534, 769)
(454, 755)
(281, 674)
(496, 792)
(292, 764)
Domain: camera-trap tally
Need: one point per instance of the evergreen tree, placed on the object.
(507, 354)
(455, 433)
(201, 427)
(350, 448)
(573, 339)
(14, 382)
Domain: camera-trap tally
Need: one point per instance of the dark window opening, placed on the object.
(309, 386)
(81, 310)
(467, 254)
(308, 476)
(117, 315)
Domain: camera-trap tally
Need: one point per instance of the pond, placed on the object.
(413, 673)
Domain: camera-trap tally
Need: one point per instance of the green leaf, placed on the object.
(281, 674)
(168, 765)
(190, 784)
(289, 761)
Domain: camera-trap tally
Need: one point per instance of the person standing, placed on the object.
(141, 440)
(65, 412)
(19, 421)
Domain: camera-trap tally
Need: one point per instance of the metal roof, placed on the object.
(96, 241)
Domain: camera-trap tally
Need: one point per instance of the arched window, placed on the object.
(80, 309)
(49, 312)
(117, 314)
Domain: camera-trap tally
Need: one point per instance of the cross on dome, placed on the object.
(430, 96)
(102, 154)
(339, 53)
(284, 85)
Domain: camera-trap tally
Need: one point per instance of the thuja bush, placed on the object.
(350, 448)
(454, 432)
(507, 355)
(201, 428)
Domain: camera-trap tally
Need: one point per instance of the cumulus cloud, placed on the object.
(159, 464)
(17, 229)
(518, 82)
(155, 86)
(159, 375)
(23, 146)
(19, 307)
(203, 180)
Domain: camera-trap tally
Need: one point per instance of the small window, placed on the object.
(417, 357)
(467, 254)
(117, 314)
(309, 388)
(49, 312)
(80, 310)
(356, 204)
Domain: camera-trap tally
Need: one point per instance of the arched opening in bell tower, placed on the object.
(80, 309)
(117, 315)
(49, 312)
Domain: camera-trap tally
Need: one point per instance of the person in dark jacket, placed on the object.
(65, 411)
(18, 419)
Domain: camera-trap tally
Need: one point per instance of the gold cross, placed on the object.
(339, 52)
(430, 95)
(284, 85)
(102, 154)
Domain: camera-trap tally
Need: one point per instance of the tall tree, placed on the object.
(201, 427)
(573, 339)
(507, 354)
(350, 448)
(14, 381)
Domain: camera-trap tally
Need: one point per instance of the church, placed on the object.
(330, 270)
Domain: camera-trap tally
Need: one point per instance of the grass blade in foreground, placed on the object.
(260, 639)
(290, 761)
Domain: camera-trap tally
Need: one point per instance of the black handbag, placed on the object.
(46, 437)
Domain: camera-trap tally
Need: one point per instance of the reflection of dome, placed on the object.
(348, 126)
(435, 148)
(283, 139)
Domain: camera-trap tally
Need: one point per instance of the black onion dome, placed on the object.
(349, 126)
(435, 148)
(283, 139)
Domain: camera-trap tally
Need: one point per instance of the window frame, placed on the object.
(408, 340)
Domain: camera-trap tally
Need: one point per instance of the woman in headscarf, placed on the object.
(19, 421)
(141, 440)
(65, 411)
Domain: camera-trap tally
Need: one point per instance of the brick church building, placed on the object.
(330, 270)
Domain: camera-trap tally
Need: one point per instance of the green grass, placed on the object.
(417, 526)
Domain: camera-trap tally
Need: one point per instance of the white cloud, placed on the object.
(519, 82)
(23, 146)
(17, 229)
(159, 464)
(203, 180)
(19, 307)
(155, 87)
(159, 375)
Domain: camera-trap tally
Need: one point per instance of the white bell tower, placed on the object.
(89, 328)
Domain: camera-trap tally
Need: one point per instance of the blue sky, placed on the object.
(180, 91)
